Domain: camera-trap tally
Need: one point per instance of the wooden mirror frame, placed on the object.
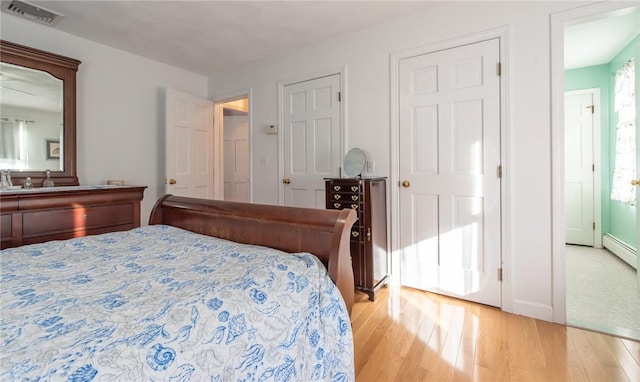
(65, 69)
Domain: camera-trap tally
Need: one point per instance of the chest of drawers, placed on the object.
(39, 215)
(369, 233)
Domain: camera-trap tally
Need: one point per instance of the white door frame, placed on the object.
(342, 71)
(218, 142)
(558, 23)
(597, 154)
(394, 205)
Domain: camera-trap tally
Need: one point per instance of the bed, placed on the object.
(208, 291)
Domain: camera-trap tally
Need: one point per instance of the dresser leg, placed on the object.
(371, 292)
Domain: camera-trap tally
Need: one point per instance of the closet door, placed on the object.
(312, 134)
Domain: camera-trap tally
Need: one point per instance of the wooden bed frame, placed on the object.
(324, 233)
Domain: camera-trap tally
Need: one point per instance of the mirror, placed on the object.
(354, 163)
(37, 114)
(31, 106)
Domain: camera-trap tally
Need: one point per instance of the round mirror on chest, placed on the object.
(354, 163)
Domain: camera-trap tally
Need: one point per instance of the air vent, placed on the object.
(32, 12)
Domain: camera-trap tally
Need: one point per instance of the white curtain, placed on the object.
(625, 159)
(10, 139)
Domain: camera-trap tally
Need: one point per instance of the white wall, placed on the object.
(366, 55)
(120, 117)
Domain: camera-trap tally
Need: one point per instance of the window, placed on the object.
(625, 159)
(12, 144)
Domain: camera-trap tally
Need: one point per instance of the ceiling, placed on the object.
(20, 87)
(598, 41)
(206, 37)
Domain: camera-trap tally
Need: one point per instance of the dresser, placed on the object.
(44, 214)
(369, 233)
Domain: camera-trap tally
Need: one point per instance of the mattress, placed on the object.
(164, 304)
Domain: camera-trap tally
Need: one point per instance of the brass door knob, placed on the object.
(635, 182)
(406, 184)
(172, 181)
(286, 181)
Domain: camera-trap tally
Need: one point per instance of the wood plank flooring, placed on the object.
(410, 335)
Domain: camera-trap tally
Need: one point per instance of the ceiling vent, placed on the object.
(31, 11)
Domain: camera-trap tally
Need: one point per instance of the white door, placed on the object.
(236, 158)
(311, 139)
(579, 167)
(449, 158)
(189, 145)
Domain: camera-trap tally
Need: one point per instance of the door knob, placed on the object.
(286, 181)
(635, 182)
(406, 184)
(171, 181)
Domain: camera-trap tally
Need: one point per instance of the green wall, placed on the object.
(617, 218)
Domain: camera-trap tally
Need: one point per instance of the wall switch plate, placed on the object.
(371, 166)
(270, 129)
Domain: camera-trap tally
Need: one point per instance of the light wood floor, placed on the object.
(409, 335)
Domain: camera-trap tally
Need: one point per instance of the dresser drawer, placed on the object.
(345, 197)
(6, 231)
(333, 205)
(47, 222)
(357, 233)
(344, 186)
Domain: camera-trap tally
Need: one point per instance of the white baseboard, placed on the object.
(534, 310)
(621, 249)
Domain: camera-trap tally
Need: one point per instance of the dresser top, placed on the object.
(360, 178)
(66, 189)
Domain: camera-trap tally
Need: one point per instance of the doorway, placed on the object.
(235, 148)
(233, 115)
(564, 26)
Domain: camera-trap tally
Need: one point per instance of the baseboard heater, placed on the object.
(621, 249)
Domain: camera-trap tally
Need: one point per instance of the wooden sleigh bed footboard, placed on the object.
(323, 233)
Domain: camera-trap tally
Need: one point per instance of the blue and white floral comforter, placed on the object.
(159, 303)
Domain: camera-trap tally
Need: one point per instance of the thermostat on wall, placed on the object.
(270, 129)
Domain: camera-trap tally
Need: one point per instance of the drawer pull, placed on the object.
(354, 206)
(337, 196)
(354, 197)
(354, 188)
(368, 234)
(355, 233)
(336, 205)
(336, 188)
